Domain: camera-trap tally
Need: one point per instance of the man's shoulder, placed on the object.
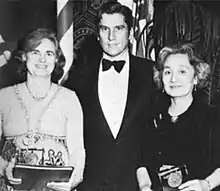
(142, 65)
(142, 70)
(140, 60)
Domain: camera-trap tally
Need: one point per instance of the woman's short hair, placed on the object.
(201, 68)
(33, 39)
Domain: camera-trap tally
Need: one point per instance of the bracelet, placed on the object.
(208, 184)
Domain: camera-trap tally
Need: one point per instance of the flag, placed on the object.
(142, 11)
(65, 32)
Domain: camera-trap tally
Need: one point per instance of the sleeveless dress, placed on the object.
(33, 147)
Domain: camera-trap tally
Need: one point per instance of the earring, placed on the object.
(23, 58)
(195, 87)
(163, 90)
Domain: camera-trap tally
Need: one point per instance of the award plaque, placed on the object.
(172, 177)
(36, 177)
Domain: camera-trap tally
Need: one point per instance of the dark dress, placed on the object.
(191, 140)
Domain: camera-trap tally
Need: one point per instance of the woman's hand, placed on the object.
(197, 185)
(145, 188)
(60, 186)
(74, 181)
(9, 174)
(63, 186)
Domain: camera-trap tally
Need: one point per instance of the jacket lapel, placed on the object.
(136, 95)
(93, 90)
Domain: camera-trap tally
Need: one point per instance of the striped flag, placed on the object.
(142, 11)
(65, 32)
(127, 3)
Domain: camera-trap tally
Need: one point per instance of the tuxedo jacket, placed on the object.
(111, 163)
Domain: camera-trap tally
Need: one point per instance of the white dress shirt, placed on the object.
(112, 90)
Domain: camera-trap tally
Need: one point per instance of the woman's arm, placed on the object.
(214, 179)
(143, 178)
(207, 184)
(75, 145)
(75, 141)
(3, 165)
(6, 168)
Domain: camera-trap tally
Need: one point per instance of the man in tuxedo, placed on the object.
(115, 90)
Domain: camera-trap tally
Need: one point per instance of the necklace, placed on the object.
(174, 119)
(38, 98)
(32, 135)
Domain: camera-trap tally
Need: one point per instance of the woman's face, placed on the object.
(178, 76)
(41, 61)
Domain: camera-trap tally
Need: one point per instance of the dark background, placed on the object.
(19, 16)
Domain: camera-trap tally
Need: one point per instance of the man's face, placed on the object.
(113, 34)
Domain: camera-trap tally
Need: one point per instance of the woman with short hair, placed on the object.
(185, 135)
(41, 121)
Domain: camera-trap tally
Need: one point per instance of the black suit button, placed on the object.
(117, 142)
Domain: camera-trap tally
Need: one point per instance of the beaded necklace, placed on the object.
(32, 135)
(35, 97)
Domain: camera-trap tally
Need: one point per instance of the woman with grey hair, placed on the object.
(186, 152)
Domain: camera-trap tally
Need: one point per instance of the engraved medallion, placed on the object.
(175, 179)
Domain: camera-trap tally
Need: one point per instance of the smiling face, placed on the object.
(178, 76)
(41, 61)
(113, 34)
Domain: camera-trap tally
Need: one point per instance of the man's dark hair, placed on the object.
(112, 7)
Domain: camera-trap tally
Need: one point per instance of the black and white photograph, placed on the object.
(109, 95)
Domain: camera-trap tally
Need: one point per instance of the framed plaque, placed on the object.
(36, 177)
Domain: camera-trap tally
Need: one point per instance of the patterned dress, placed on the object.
(35, 131)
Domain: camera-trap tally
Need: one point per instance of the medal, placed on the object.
(175, 179)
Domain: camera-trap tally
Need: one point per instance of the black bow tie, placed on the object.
(107, 64)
